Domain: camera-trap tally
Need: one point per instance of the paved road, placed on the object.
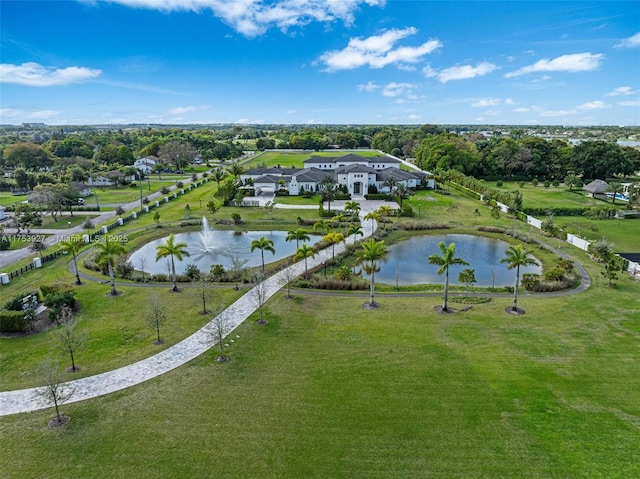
(56, 235)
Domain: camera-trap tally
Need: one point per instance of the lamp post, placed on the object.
(140, 181)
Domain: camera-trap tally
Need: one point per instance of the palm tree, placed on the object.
(355, 229)
(304, 252)
(400, 193)
(218, 175)
(236, 169)
(333, 238)
(389, 183)
(373, 216)
(299, 235)
(107, 254)
(263, 244)
(615, 188)
(515, 257)
(72, 245)
(371, 252)
(174, 250)
(447, 259)
(385, 212)
(322, 225)
(352, 208)
(328, 190)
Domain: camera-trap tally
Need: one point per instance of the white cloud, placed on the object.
(368, 87)
(181, 110)
(254, 17)
(378, 51)
(593, 105)
(578, 62)
(521, 110)
(621, 91)
(509, 101)
(629, 103)
(291, 112)
(396, 89)
(486, 102)
(631, 42)
(462, 72)
(20, 115)
(34, 74)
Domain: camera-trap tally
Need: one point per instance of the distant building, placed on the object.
(146, 164)
(355, 172)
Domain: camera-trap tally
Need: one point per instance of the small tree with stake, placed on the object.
(54, 392)
(468, 277)
(70, 341)
(156, 315)
(219, 327)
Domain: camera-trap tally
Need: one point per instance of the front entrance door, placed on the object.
(357, 187)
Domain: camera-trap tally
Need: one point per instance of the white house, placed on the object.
(146, 164)
(355, 172)
(109, 179)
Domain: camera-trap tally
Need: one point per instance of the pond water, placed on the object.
(209, 247)
(407, 263)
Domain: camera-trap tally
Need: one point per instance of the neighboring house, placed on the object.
(84, 190)
(355, 172)
(2, 216)
(111, 178)
(146, 164)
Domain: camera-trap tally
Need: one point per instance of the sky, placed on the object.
(320, 62)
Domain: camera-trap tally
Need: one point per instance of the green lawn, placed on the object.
(552, 197)
(624, 234)
(6, 198)
(329, 389)
(288, 160)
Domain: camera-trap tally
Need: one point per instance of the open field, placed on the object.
(623, 234)
(288, 160)
(329, 389)
(541, 197)
(6, 198)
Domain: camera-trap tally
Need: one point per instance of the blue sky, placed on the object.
(320, 61)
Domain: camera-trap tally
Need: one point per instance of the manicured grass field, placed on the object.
(552, 197)
(623, 234)
(288, 160)
(329, 389)
(6, 198)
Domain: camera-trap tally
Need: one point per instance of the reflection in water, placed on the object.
(209, 246)
(407, 261)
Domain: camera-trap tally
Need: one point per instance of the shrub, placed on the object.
(164, 190)
(179, 184)
(58, 300)
(546, 183)
(555, 183)
(12, 322)
(491, 229)
(15, 303)
(5, 243)
(236, 218)
(422, 226)
(534, 182)
(499, 183)
(124, 269)
(193, 272)
(530, 281)
(55, 288)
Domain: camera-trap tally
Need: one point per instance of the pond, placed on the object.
(407, 263)
(216, 247)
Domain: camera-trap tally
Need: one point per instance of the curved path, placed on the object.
(25, 400)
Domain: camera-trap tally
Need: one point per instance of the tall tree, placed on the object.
(263, 244)
(515, 257)
(298, 235)
(107, 254)
(173, 250)
(445, 260)
(177, 153)
(371, 252)
(333, 238)
(304, 252)
(328, 190)
(72, 245)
